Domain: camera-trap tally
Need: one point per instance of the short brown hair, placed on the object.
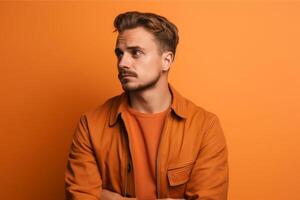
(163, 30)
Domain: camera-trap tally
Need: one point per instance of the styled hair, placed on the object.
(165, 32)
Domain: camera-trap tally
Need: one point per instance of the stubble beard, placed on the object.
(141, 87)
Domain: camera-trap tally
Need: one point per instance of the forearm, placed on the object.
(108, 195)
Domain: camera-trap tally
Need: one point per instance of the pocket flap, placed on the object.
(180, 175)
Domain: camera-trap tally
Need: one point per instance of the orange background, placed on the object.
(239, 60)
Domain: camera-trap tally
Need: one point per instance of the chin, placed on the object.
(129, 87)
(133, 88)
(136, 88)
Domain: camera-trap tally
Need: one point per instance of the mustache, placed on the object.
(124, 72)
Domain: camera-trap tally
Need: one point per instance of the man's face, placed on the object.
(139, 59)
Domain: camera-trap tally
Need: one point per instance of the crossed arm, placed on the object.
(208, 181)
(108, 195)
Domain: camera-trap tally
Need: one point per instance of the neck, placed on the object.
(152, 100)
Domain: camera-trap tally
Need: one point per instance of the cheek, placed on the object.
(153, 66)
(149, 66)
(154, 63)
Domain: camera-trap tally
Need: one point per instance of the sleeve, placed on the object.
(210, 175)
(82, 177)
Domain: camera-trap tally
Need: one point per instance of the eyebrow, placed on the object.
(135, 47)
(130, 48)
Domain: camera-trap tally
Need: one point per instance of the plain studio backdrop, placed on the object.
(238, 59)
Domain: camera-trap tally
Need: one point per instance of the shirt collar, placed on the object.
(178, 105)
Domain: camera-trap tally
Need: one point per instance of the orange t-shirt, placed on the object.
(145, 130)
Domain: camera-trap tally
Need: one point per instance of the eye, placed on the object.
(118, 53)
(136, 53)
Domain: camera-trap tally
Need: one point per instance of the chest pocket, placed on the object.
(178, 175)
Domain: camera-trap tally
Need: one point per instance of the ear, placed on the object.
(167, 59)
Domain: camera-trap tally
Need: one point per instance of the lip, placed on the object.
(127, 75)
(124, 75)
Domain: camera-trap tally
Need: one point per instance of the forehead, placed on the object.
(136, 37)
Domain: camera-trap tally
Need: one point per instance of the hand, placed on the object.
(108, 195)
(170, 199)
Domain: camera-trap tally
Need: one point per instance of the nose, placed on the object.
(124, 61)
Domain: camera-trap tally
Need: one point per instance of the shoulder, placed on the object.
(103, 110)
(194, 109)
(199, 114)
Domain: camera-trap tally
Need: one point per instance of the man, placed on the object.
(149, 142)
